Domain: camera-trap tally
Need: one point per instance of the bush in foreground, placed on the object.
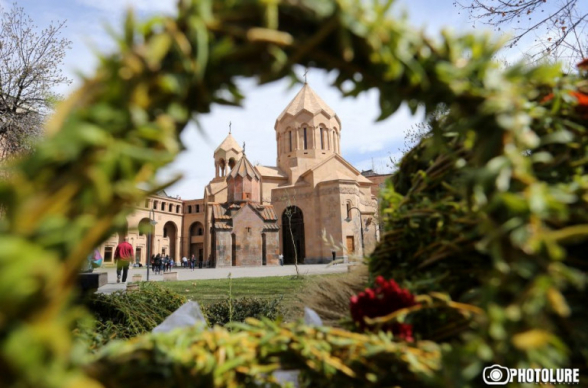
(239, 309)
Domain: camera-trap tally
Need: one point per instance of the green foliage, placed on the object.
(239, 309)
(124, 315)
(491, 209)
(246, 356)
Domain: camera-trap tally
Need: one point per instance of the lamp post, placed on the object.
(152, 224)
(360, 226)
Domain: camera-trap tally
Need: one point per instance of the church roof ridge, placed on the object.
(307, 99)
(341, 159)
(229, 143)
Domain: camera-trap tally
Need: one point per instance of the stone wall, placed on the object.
(222, 245)
(247, 228)
(272, 241)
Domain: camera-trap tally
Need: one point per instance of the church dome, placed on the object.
(229, 144)
(307, 132)
(307, 100)
(243, 182)
(244, 168)
(226, 156)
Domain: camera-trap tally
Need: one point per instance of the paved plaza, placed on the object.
(219, 273)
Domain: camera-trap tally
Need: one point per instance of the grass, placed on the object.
(210, 291)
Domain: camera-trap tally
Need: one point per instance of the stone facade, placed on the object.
(166, 234)
(312, 207)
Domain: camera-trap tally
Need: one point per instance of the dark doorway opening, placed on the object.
(233, 250)
(293, 235)
(263, 250)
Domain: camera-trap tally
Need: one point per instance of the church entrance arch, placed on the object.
(293, 235)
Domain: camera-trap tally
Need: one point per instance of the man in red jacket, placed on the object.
(123, 255)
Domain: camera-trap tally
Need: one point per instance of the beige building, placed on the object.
(312, 207)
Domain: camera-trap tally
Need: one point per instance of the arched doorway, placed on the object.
(170, 230)
(196, 242)
(293, 235)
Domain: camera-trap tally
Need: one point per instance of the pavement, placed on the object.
(219, 273)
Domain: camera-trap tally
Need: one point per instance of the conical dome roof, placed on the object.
(244, 168)
(228, 144)
(307, 99)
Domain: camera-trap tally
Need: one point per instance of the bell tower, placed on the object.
(226, 156)
(307, 132)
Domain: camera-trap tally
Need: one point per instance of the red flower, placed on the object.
(581, 108)
(382, 300)
(583, 65)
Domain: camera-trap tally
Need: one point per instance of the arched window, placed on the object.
(197, 208)
(232, 163)
(305, 140)
(348, 209)
(144, 226)
(222, 165)
(189, 208)
(177, 208)
(163, 206)
(322, 138)
(290, 140)
(196, 229)
(171, 208)
(155, 205)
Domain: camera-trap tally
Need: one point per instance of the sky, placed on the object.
(365, 143)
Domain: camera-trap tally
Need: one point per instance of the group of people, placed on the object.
(190, 263)
(160, 263)
(123, 255)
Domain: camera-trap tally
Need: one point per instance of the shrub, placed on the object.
(219, 313)
(329, 295)
(246, 356)
(123, 315)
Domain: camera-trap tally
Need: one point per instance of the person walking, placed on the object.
(123, 255)
(185, 262)
(158, 264)
(192, 262)
(168, 263)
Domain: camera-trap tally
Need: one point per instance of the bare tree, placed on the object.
(417, 132)
(30, 67)
(559, 26)
(290, 212)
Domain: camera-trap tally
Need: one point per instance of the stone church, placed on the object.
(312, 207)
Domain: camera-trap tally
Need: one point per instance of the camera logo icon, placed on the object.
(496, 375)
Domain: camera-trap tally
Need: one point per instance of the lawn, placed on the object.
(209, 291)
